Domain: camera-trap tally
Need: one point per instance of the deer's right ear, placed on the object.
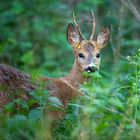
(72, 35)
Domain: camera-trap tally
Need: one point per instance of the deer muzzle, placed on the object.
(91, 69)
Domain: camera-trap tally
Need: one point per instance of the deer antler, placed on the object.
(93, 25)
(78, 27)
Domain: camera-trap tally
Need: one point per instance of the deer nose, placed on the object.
(90, 69)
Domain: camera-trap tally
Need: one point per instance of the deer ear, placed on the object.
(103, 37)
(72, 34)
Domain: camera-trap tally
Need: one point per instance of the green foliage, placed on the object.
(33, 38)
(108, 110)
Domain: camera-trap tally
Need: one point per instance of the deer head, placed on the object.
(87, 52)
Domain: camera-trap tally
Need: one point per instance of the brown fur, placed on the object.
(13, 81)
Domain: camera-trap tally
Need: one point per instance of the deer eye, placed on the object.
(97, 55)
(81, 55)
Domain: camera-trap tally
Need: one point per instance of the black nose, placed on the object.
(91, 69)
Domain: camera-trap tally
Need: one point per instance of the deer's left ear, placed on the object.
(103, 37)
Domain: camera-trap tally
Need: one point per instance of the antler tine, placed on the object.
(93, 25)
(78, 27)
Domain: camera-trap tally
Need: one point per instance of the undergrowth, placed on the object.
(110, 109)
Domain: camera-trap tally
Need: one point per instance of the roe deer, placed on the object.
(87, 59)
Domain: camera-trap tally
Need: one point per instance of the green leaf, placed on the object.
(35, 114)
(55, 102)
(28, 58)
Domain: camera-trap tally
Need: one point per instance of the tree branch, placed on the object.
(132, 8)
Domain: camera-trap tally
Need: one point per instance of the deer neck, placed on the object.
(75, 78)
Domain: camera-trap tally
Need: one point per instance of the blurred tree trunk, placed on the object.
(72, 3)
(132, 8)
